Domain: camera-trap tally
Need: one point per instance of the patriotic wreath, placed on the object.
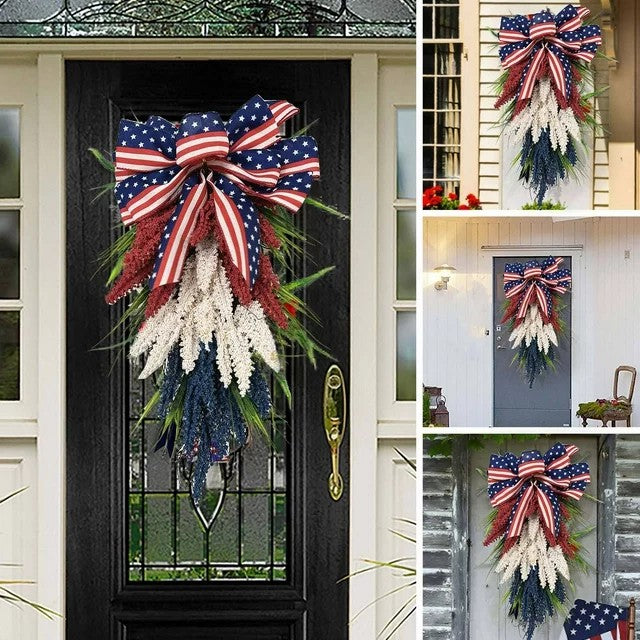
(533, 291)
(206, 207)
(534, 499)
(545, 59)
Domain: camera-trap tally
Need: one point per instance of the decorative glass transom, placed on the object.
(202, 18)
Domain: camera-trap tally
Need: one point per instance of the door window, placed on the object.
(239, 530)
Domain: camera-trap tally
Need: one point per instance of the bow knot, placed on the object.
(530, 468)
(236, 164)
(199, 138)
(538, 479)
(532, 272)
(545, 38)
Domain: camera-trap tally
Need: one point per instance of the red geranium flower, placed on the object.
(453, 196)
(473, 201)
(463, 206)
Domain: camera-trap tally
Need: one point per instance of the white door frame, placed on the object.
(50, 55)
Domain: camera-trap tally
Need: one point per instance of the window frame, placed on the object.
(402, 94)
(19, 92)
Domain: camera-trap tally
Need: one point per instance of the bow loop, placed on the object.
(570, 18)
(299, 155)
(532, 271)
(542, 25)
(257, 166)
(253, 126)
(530, 464)
(144, 146)
(534, 476)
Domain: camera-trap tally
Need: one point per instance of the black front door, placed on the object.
(141, 563)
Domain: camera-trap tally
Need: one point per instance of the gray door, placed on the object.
(548, 403)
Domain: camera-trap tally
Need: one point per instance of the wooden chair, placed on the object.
(619, 412)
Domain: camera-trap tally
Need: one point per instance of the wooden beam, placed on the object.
(460, 555)
(606, 518)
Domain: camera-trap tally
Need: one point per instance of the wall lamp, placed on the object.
(444, 271)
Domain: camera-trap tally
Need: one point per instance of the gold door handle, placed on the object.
(335, 423)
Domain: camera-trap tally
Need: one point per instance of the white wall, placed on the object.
(396, 491)
(497, 177)
(18, 534)
(605, 296)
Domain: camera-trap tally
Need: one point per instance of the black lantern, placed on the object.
(441, 414)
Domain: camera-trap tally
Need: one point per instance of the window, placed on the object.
(442, 53)
(397, 150)
(405, 234)
(10, 285)
(202, 18)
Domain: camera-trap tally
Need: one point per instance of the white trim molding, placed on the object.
(51, 355)
(207, 48)
(364, 259)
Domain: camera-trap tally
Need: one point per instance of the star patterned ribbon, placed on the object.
(234, 163)
(536, 477)
(545, 37)
(535, 281)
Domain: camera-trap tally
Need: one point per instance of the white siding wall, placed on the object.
(492, 176)
(458, 356)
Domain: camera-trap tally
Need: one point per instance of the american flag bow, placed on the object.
(535, 281)
(544, 37)
(536, 477)
(596, 621)
(237, 164)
